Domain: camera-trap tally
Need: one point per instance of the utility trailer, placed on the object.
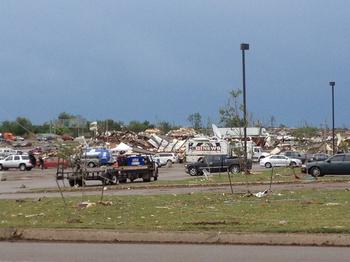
(113, 175)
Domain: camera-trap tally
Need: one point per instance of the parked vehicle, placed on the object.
(8, 136)
(258, 153)
(318, 157)
(279, 160)
(338, 164)
(198, 147)
(296, 155)
(6, 151)
(52, 162)
(166, 158)
(16, 161)
(136, 167)
(98, 156)
(217, 163)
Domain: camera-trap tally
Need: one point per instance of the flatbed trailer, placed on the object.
(113, 175)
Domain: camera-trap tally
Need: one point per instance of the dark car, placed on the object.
(297, 155)
(217, 163)
(338, 164)
(318, 157)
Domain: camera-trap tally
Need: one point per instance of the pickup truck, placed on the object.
(217, 163)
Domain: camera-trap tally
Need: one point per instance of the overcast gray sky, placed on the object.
(163, 60)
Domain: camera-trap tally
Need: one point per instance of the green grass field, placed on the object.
(317, 211)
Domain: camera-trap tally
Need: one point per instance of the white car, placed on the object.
(16, 161)
(166, 158)
(279, 160)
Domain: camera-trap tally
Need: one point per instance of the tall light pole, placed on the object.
(244, 47)
(332, 84)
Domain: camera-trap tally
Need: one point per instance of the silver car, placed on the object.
(16, 161)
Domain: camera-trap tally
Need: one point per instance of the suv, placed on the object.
(166, 158)
(16, 161)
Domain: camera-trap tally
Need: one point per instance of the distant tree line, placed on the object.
(77, 125)
(230, 115)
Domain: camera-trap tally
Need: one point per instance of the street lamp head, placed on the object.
(244, 46)
(332, 84)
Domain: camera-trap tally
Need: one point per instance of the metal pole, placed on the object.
(333, 119)
(243, 48)
(332, 84)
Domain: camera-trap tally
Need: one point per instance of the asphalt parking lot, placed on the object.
(16, 181)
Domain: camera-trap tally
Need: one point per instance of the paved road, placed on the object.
(29, 251)
(15, 181)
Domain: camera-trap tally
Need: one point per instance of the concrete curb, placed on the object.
(111, 236)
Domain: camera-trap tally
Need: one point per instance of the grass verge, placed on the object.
(312, 211)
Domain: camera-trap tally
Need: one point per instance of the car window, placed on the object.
(17, 158)
(274, 157)
(347, 158)
(25, 157)
(337, 158)
(9, 158)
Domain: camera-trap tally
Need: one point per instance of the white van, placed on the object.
(198, 147)
(6, 151)
(166, 158)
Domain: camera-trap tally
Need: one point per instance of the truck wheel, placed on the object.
(71, 182)
(268, 165)
(1, 167)
(169, 163)
(123, 180)
(293, 164)
(22, 167)
(234, 169)
(193, 171)
(262, 157)
(113, 180)
(80, 182)
(91, 164)
(146, 179)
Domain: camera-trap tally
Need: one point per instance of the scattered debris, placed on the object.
(86, 204)
(261, 194)
(332, 204)
(283, 222)
(34, 215)
(105, 203)
(74, 220)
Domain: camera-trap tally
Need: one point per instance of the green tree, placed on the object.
(230, 114)
(22, 126)
(65, 115)
(165, 127)
(195, 120)
(137, 126)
